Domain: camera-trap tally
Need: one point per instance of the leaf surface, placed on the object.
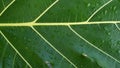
(59, 34)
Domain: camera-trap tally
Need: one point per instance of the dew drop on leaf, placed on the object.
(88, 4)
(103, 41)
(119, 51)
(114, 8)
(85, 55)
(106, 29)
(108, 33)
(49, 64)
(106, 12)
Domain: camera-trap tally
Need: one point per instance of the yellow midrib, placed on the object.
(56, 23)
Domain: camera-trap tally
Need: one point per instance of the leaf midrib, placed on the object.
(57, 23)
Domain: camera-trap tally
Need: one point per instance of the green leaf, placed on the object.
(59, 34)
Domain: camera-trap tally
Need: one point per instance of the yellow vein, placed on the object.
(56, 23)
(3, 53)
(117, 26)
(3, 3)
(53, 46)
(14, 59)
(99, 9)
(15, 49)
(92, 44)
(7, 7)
(45, 11)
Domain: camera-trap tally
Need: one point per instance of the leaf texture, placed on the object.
(59, 34)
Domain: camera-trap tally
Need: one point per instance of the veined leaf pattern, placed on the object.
(50, 42)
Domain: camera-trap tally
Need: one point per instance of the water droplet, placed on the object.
(49, 64)
(119, 51)
(108, 33)
(114, 8)
(84, 54)
(106, 12)
(111, 7)
(97, 4)
(88, 4)
(103, 41)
